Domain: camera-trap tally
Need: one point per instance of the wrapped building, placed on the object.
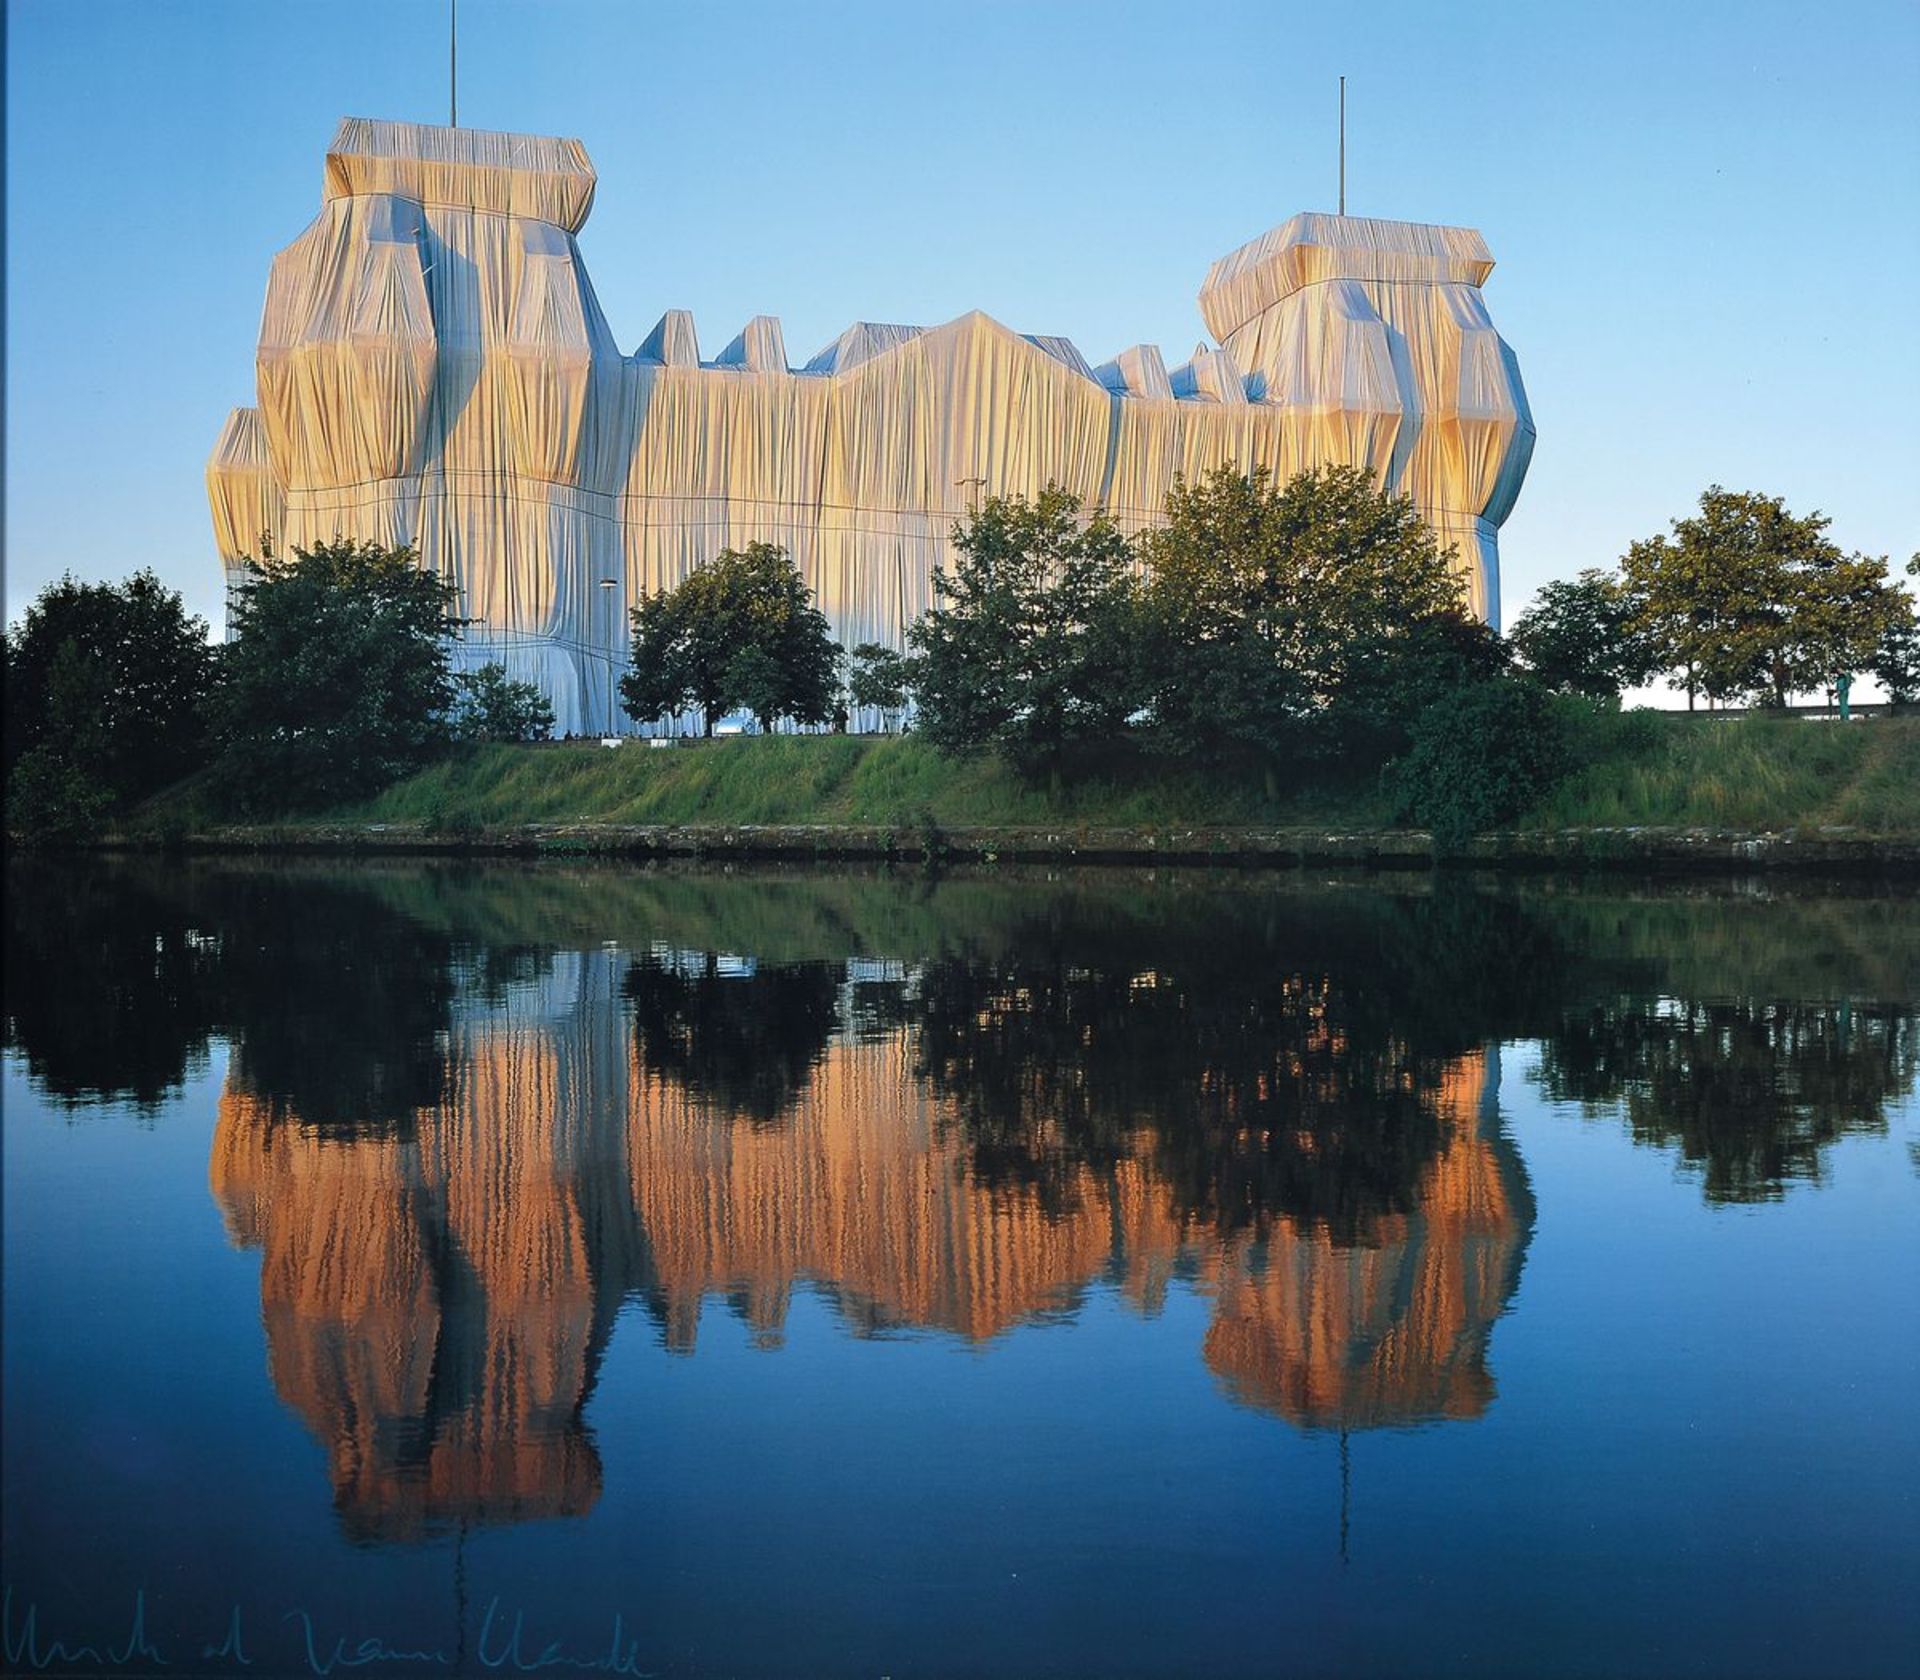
(434, 370)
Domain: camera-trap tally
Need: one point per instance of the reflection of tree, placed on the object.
(112, 985)
(338, 1007)
(1748, 1093)
(1394, 1331)
(117, 979)
(741, 1038)
(1288, 1063)
(462, 1124)
(1255, 1094)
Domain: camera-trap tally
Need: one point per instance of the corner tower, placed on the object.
(1374, 338)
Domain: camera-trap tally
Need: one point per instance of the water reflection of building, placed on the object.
(859, 1190)
(862, 1190)
(1395, 1330)
(436, 1299)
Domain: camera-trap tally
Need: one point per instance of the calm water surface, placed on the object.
(428, 1269)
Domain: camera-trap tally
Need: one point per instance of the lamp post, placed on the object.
(607, 585)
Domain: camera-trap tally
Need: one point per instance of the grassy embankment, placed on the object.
(1644, 770)
(1756, 773)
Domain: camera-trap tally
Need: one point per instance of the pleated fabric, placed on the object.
(434, 369)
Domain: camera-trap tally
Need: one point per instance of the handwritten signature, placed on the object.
(501, 1643)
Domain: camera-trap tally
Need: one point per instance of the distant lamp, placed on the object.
(610, 583)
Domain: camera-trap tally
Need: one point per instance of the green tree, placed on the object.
(688, 643)
(1579, 637)
(1896, 661)
(1747, 599)
(491, 706)
(757, 684)
(1267, 602)
(1031, 645)
(1846, 610)
(878, 680)
(338, 676)
(1394, 675)
(809, 662)
(112, 680)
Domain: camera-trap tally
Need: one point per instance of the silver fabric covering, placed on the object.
(434, 369)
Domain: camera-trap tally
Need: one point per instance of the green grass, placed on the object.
(897, 782)
(1751, 773)
(1640, 770)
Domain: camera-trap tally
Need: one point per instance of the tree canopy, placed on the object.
(1031, 645)
(1261, 623)
(1270, 603)
(120, 671)
(1896, 661)
(1748, 600)
(107, 697)
(742, 630)
(338, 675)
(1579, 637)
(879, 679)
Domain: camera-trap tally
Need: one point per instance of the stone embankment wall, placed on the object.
(1812, 849)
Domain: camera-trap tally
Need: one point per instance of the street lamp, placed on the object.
(607, 584)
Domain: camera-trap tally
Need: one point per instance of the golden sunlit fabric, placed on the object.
(568, 1174)
(434, 369)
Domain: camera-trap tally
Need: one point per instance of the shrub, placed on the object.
(491, 706)
(52, 802)
(1479, 758)
(1594, 730)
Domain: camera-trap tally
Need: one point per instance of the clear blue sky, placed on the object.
(1706, 217)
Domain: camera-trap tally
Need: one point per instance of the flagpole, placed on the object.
(1343, 145)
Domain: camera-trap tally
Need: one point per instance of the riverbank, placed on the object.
(1830, 850)
(1653, 790)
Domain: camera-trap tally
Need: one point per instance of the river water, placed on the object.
(436, 1268)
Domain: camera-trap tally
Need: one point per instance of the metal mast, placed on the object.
(1343, 145)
